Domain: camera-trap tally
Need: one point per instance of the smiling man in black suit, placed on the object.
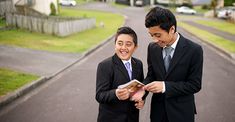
(114, 103)
(174, 69)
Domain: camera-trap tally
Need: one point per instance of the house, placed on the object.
(36, 6)
(28, 7)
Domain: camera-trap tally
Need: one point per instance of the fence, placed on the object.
(50, 25)
(6, 6)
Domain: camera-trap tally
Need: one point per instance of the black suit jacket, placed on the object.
(182, 80)
(110, 74)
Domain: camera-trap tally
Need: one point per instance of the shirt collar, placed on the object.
(125, 61)
(176, 41)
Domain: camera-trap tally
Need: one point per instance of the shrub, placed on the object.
(53, 9)
(206, 6)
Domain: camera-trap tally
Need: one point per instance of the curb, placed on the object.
(21, 91)
(225, 52)
(7, 99)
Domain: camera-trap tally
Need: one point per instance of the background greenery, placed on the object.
(207, 36)
(11, 80)
(220, 25)
(75, 43)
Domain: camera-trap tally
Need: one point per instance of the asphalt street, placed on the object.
(70, 96)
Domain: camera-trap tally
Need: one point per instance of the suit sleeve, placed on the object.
(150, 76)
(142, 78)
(104, 91)
(142, 72)
(194, 77)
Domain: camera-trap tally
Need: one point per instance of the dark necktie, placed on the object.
(167, 58)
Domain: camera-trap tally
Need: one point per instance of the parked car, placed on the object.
(225, 13)
(139, 3)
(185, 10)
(68, 2)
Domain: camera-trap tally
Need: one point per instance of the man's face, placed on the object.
(124, 46)
(162, 37)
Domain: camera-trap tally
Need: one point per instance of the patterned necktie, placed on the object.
(128, 68)
(167, 58)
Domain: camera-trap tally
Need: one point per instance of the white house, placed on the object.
(41, 6)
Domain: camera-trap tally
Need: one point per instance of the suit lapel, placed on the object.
(120, 66)
(134, 69)
(179, 52)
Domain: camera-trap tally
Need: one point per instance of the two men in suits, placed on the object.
(174, 69)
(114, 103)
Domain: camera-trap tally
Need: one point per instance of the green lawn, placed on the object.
(207, 36)
(220, 25)
(79, 2)
(12, 80)
(200, 10)
(76, 43)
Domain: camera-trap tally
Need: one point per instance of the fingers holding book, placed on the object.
(122, 94)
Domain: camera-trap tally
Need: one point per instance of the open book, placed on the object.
(133, 86)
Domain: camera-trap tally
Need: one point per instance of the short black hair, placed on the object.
(162, 17)
(129, 31)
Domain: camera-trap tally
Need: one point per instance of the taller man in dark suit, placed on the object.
(174, 69)
(115, 105)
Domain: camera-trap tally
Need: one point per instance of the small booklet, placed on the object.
(133, 86)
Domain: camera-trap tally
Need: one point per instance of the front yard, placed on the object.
(76, 43)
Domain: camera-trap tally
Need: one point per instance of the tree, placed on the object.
(213, 6)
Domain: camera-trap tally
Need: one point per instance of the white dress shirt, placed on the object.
(172, 53)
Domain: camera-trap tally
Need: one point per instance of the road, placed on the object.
(70, 96)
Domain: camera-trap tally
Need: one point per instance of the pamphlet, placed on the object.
(133, 86)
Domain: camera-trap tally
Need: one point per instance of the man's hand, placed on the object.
(139, 104)
(154, 87)
(122, 94)
(138, 95)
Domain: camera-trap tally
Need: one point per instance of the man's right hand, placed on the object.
(122, 94)
(138, 95)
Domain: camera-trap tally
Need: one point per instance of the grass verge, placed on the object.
(219, 25)
(12, 80)
(207, 36)
(75, 43)
(200, 10)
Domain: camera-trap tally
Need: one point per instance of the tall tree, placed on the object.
(213, 6)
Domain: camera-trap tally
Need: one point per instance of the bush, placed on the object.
(228, 2)
(206, 7)
(53, 9)
(188, 5)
